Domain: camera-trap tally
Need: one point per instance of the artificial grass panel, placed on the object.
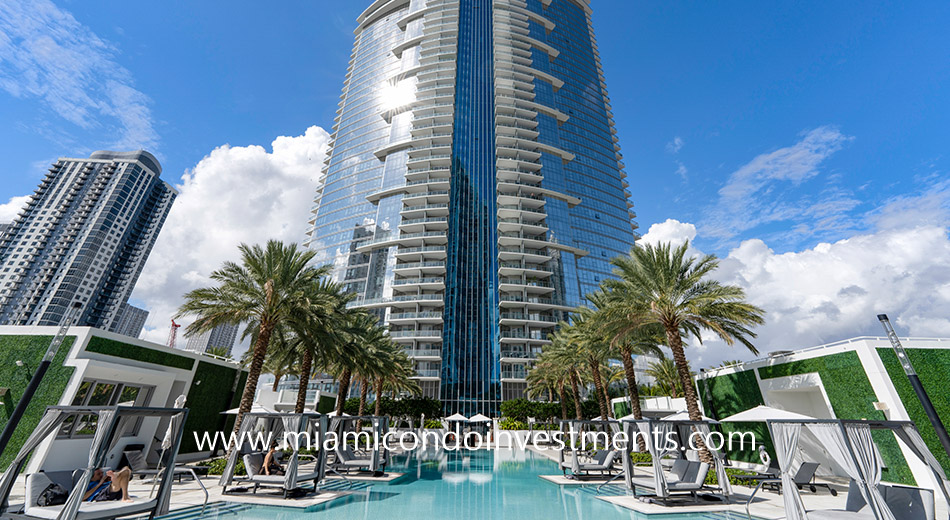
(933, 367)
(30, 350)
(852, 397)
(119, 349)
(208, 396)
(731, 394)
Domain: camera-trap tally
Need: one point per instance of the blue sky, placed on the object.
(788, 124)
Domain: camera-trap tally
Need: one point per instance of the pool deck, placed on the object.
(767, 505)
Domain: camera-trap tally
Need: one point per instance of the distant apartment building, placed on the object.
(3, 227)
(131, 321)
(83, 237)
(222, 336)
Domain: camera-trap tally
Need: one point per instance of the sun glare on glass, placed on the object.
(395, 96)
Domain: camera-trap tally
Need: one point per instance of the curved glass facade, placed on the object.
(474, 191)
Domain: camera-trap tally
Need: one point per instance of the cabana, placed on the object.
(664, 438)
(851, 443)
(297, 430)
(372, 458)
(111, 424)
(597, 456)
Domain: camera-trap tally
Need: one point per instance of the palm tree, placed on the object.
(220, 352)
(269, 287)
(397, 376)
(545, 375)
(363, 331)
(317, 331)
(665, 376)
(628, 342)
(660, 284)
(583, 335)
(569, 362)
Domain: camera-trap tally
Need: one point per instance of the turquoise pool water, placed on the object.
(480, 485)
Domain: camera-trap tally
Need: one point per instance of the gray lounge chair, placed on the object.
(253, 462)
(905, 503)
(805, 477)
(686, 476)
(36, 483)
(602, 461)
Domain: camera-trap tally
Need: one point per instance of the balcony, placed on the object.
(429, 334)
(427, 374)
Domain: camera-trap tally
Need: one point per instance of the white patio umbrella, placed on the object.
(456, 418)
(479, 418)
(684, 416)
(334, 414)
(763, 413)
(254, 409)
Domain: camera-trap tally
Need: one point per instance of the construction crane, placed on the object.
(173, 334)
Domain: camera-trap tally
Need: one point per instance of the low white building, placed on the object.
(99, 368)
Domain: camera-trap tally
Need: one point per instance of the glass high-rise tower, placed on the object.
(474, 191)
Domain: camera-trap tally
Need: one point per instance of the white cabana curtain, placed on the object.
(227, 475)
(909, 435)
(292, 424)
(103, 429)
(172, 436)
(785, 437)
(48, 424)
(721, 475)
(655, 434)
(869, 463)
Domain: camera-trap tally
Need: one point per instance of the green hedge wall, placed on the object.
(933, 368)
(30, 350)
(734, 393)
(119, 349)
(207, 400)
(852, 397)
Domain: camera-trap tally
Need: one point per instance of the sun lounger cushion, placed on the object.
(95, 510)
(905, 502)
(253, 462)
(678, 471)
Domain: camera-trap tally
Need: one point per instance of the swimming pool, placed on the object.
(480, 485)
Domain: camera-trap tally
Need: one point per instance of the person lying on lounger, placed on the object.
(271, 466)
(106, 486)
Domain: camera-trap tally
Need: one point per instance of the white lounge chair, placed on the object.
(36, 483)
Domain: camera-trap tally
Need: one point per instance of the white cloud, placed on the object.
(681, 170)
(758, 192)
(10, 210)
(834, 291)
(670, 231)
(46, 53)
(675, 145)
(234, 195)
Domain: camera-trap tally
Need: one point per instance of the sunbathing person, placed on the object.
(105, 486)
(271, 466)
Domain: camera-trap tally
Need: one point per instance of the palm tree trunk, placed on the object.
(363, 392)
(675, 343)
(599, 388)
(627, 360)
(306, 364)
(254, 371)
(575, 386)
(344, 389)
(276, 382)
(379, 394)
(562, 394)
